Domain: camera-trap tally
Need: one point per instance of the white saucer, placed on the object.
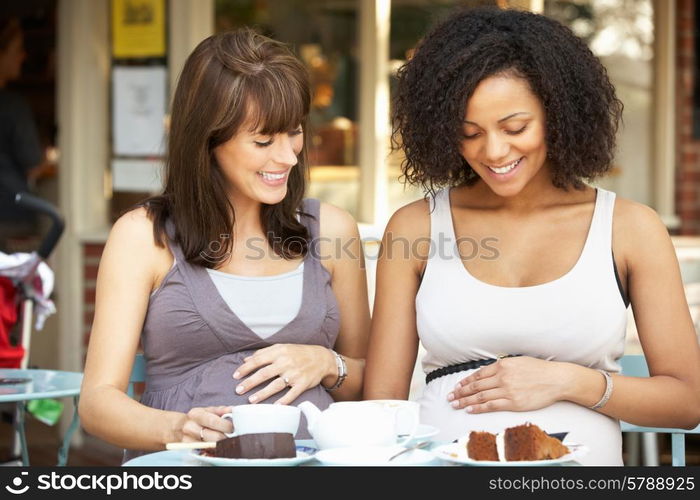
(457, 453)
(423, 433)
(372, 456)
(301, 457)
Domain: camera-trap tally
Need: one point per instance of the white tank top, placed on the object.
(579, 317)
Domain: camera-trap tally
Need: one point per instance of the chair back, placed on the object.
(138, 373)
(635, 365)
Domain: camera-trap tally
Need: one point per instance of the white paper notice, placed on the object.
(138, 110)
(137, 175)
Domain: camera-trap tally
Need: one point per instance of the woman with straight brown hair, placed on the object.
(227, 278)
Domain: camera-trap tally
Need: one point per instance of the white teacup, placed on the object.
(407, 414)
(260, 418)
(399, 426)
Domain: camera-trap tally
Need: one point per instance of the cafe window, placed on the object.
(324, 35)
(621, 34)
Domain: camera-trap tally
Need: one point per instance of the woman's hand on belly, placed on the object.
(299, 367)
(512, 384)
(206, 424)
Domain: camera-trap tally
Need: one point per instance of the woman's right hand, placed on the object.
(206, 424)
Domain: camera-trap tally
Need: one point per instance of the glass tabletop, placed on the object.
(180, 458)
(24, 385)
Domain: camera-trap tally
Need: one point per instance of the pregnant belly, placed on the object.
(217, 387)
(213, 385)
(600, 433)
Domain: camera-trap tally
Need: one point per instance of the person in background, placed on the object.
(237, 294)
(503, 116)
(21, 154)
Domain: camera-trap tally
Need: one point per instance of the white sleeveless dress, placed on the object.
(579, 318)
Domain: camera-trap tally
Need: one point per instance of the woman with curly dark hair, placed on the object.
(503, 116)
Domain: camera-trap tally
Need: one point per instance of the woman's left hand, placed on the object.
(511, 384)
(299, 367)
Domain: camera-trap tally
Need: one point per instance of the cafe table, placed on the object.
(20, 386)
(184, 458)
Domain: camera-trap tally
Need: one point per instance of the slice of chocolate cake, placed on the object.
(263, 445)
(482, 446)
(529, 442)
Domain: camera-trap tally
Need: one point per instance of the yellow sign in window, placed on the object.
(138, 28)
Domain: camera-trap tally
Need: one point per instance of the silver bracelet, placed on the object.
(342, 371)
(607, 393)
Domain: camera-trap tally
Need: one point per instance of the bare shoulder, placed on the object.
(408, 228)
(339, 244)
(135, 228)
(336, 222)
(133, 222)
(636, 220)
(638, 231)
(411, 221)
(132, 234)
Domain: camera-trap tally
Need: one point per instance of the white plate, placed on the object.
(457, 452)
(372, 455)
(424, 432)
(302, 456)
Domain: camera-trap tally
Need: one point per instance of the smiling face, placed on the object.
(504, 134)
(257, 166)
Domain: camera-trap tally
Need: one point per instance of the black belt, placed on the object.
(461, 367)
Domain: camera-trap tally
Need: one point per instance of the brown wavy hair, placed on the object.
(582, 111)
(226, 77)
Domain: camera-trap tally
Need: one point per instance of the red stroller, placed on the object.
(25, 285)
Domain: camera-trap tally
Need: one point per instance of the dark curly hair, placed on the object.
(582, 111)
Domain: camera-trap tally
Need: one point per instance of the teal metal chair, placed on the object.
(634, 365)
(65, 445)
(138, 373)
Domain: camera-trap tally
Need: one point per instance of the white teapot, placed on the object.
(352, 423)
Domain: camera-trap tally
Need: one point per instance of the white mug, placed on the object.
(261, 418)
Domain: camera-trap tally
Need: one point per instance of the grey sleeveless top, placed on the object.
(193, 342)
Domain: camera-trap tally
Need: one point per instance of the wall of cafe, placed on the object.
(83, 97)
(687, 140)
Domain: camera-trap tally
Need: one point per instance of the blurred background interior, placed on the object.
(98, 76)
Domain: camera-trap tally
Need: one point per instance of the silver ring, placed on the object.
(286, 382)
(201, 434)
